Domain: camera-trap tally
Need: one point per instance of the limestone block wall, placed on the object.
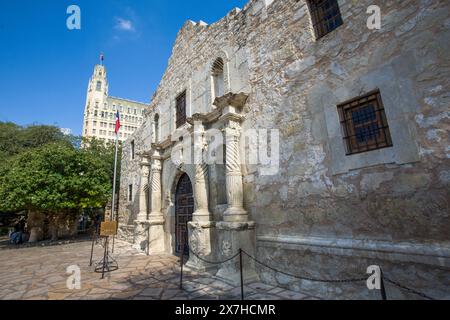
(386, 200)
(131, 174)
(323, 213)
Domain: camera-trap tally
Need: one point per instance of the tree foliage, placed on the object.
(15, 139)
(43, 170)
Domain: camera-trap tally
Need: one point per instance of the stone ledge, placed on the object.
(203, 225)
(235, 225)
(430, 254)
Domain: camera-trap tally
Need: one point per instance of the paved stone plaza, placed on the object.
(39, 273)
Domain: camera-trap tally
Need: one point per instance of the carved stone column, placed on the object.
(156, 217)
(235, 193)
(201, 229)
(236, 231)
(141, 223)
(201, 212)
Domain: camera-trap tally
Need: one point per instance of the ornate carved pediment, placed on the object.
(236, 100)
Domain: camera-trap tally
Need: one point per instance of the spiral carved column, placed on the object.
(235, 231)
(201, 229)
(235, 195)
(141, 223)
(156, 217)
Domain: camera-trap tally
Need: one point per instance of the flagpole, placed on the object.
(113, 206)
(115, 178)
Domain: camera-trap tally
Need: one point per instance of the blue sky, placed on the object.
(45, 68)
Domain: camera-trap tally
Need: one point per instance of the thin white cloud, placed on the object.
(66, 131)
(124, 25)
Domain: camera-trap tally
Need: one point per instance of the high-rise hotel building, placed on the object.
(100, 111)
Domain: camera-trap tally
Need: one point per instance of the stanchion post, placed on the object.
(382, 287)
(181, 267)
(242, 274)
(94, 238)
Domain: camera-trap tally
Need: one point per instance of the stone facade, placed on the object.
(323, 213)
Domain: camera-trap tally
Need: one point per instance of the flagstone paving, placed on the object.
(39, 273)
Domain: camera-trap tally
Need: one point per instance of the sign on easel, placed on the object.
(108, 228)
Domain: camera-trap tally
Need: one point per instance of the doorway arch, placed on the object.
(184, 208)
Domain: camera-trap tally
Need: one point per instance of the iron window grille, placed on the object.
(326, 16)
(181, 109)
(364, 124)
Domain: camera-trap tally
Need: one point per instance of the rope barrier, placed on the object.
(350, 280)
(212, 262)
(305, 278)
(418, 293)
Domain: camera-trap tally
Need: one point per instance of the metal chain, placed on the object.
(304, 278)
(423, 295)
(212, 262)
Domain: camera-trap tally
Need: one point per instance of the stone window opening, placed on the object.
(325, 16)
(156, 128)
(180, 109)
(99, 86)
(130, 193)
(132, 149)
(364, 124)
(217, 74)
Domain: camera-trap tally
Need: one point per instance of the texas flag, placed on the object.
(117, 122)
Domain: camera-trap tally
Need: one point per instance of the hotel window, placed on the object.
(181, 109)
(130, 192)
(325, 15)
(364, 124)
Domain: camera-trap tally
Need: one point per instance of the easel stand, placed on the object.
(108, 263)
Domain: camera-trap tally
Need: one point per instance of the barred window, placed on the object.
(325, 15)
(364, 124)
(181, 109)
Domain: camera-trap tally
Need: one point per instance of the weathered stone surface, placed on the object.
(391, 204)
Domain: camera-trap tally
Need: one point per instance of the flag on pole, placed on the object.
(117, 122)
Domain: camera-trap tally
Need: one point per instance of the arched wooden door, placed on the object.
(184, 207)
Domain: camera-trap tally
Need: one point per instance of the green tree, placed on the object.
(15, 139)
(45, 172)
(54, 177)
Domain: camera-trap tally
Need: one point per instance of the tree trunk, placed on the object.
(54, 226)
(35, 225)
